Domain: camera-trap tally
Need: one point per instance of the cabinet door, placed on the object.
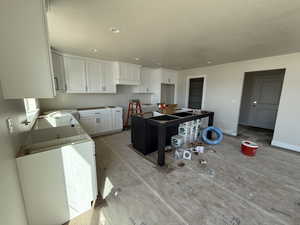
(88, 124)
(26, 68)
(109, 84)
(117, 119)
(75, 75)
(128, 74)
(79, 166)
(168, 76)
(124, 72)
(94, 77)
(103, 121)
(58, 71)
(135, 73)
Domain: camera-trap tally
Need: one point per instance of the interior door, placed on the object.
(167, 93)
(261, 96)
(195, 93)
(265, 101)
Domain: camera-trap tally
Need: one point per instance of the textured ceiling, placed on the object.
(176, 34)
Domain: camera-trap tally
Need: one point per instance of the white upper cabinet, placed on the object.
(168, 76)
(100, 77)
(127, 74)
(86, 75)
(109, 81)
(147, 81)
(25, 60)
(75, 75)
(58, 71)
(94, 76)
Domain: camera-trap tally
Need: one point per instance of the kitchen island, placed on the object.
(164, 127)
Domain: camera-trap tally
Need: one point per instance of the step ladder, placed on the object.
(134, 107)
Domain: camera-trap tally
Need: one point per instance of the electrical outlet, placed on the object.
(10, 125)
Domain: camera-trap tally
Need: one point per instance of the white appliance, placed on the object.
(102, 120)
(57, 172)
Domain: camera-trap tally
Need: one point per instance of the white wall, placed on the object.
(71, 101)
(224, 90)
(11, 206)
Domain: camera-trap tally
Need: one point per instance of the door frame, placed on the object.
(187, 90)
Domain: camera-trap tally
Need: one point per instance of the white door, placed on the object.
(264, 101)
(94, 77)
(75, 75)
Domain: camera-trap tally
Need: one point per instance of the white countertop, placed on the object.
(52, 130)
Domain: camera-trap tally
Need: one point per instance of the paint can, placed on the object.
(249, 148)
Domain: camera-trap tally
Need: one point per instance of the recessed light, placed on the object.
(137, 59)
(114, 30)
(209, 62)
(95, 50)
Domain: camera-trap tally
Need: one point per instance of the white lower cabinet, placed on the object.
(58, 184)
(117, 118)
(101, 121)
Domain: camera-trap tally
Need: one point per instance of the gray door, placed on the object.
(195, 93)
(167, 93)
(262, 100)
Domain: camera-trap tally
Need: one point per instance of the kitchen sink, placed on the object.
(164, 118)
(182, 114)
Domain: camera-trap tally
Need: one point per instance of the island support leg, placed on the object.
(161, 145)
(210, 123)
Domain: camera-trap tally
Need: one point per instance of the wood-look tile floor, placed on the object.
(232, 189)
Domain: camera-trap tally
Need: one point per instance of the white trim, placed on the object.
(286, 146)
(188, 89)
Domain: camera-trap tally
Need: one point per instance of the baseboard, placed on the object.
(286, 146)
(234, 134)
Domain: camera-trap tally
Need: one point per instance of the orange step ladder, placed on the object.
(134, 107)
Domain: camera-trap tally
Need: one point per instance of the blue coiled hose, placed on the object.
(215, 130)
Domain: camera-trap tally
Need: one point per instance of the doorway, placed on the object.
(195, 90)
(260, 102)
(167, 93)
